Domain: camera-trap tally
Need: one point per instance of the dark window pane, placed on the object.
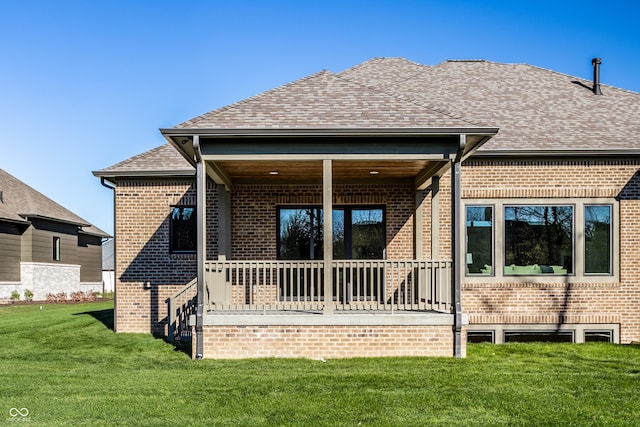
(367, 234)
(538, 240)
(538, 336)
(338, 234)
(183, 229)
(479, 257)
(597, 239)
(300, 233)
(480, 336)
(358, 233)
(598, 336)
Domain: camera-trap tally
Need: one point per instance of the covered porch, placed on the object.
(324, 284)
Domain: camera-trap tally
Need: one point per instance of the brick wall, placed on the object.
(254, 214)
(327, 341)
(555, 303)
(146, 273)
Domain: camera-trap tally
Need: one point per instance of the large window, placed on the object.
(507, 238)
(182, 229)
(538, 239)
(358, 233)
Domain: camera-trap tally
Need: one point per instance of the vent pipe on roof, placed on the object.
(596, 75)
(1, 200)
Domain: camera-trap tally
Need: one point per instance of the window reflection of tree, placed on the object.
(539, 235)
(183, 229)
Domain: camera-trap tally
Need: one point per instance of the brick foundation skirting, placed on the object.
(327, 341)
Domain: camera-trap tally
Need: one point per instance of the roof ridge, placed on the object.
(251, 98)
(381, 58)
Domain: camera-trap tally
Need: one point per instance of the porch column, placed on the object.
(201, 241)
(224, 221)
(327, 209)
(456, 248)
(418, 224)
(435, 217)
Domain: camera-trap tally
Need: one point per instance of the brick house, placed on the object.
(390, 209)
(44, 247)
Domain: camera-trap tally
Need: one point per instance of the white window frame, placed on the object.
(578, 276)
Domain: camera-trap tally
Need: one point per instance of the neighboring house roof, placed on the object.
(536, 110)
(161, 160)
(108, 249)
(20, 203)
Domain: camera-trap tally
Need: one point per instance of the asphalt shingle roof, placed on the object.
(325, 100)
(160, 159)
(535, 109)
(21, 202)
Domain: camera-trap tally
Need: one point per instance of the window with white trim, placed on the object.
(56, 248)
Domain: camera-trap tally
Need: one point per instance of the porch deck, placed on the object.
(293, 293)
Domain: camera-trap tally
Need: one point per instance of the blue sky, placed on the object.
(86, 84)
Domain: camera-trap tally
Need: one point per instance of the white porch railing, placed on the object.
(357, 285)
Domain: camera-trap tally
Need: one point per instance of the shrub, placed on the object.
(80, 296)
(56, 298)
(15, 295)
(28, 295)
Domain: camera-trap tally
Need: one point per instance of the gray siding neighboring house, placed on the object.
(44, 247)
(108, 266)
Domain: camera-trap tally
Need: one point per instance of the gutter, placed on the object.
(201, 245)
(456, 248)
(105, 176)
(106, 183)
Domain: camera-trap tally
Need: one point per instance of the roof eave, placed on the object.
(95, 233)
(180, 137)
(15, 221)
(144, 174)
(556, 153)
(283, 132)
(49, 218)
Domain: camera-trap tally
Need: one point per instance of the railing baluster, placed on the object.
(359, 285)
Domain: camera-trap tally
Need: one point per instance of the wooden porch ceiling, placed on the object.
(262, 156)
(311, 171)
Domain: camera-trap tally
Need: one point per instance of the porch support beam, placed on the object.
(201, 243)
(456, 248)
(218, 175)
(434, 169)
(327, 211)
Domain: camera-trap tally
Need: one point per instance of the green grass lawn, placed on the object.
(67, 367)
